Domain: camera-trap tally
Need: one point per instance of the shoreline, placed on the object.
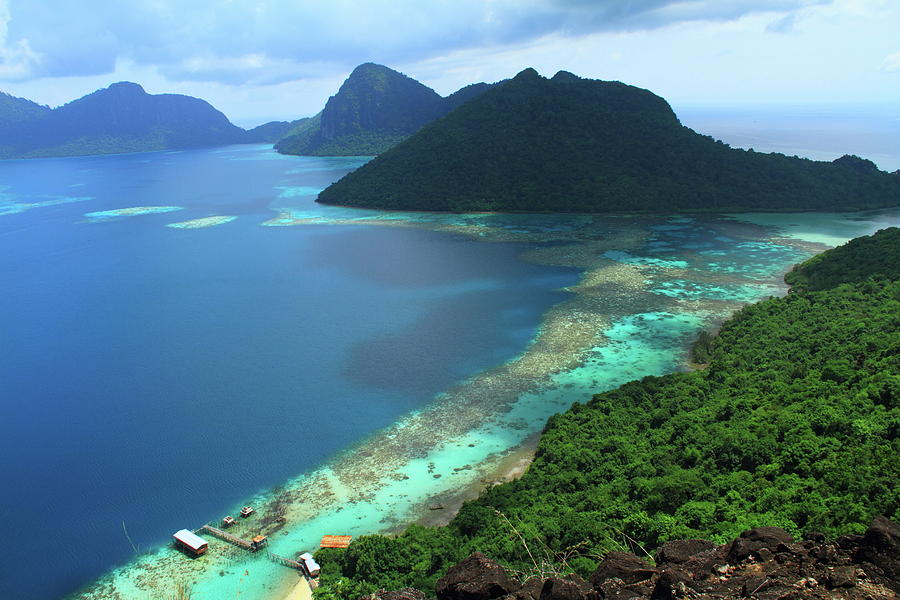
(504, 469)
(614, 328)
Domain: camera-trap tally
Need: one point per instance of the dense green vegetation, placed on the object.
(120, 118)
(857, 260)
(375, 109)
(575, 145)
(794, 423)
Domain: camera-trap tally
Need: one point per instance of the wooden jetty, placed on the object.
(252, 546)
(227, 537)
(287, 562)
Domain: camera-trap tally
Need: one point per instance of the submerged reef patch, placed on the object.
(202, 222)
(11, 204)
(631, 314)
(133, 211)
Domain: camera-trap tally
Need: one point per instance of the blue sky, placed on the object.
(261, 59)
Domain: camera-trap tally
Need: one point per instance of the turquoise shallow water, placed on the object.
(462, 344)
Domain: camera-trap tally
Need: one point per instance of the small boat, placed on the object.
(246, 511)
(228, 521)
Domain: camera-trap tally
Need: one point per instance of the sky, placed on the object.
(258, 60)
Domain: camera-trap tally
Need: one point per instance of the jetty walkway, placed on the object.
(251, 547)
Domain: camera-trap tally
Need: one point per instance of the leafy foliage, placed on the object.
(794, 423)
(575, 145)
(867, 256)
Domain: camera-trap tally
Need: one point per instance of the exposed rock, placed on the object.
(849, 542)
(753, 585)
(883, 534)
(571, 587)
(842, 577)
(475, 578)
(672, 583)
(406, 593)
(622, 565)
(772, 567)
(814, 536)
(681, 551)
(880, 548)
(754, 539)
(530, 590)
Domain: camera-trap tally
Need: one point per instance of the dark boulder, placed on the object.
(475, 578)
(621, 565)
(530, 590)
(678, 552)
(883, 534)
(842, 577)
(672, 583)
(880, 547)
(571, 587)
(849, 542)
(754, 539)
(814, 536)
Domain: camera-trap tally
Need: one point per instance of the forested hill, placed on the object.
(119, 118)
(374, 109)
(794, 424)
(568, 144)
(864, 257)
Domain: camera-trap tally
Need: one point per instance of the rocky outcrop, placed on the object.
(476, 578)
(762, 564)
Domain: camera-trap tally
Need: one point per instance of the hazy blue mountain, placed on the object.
(120, 118)
(15, 110)
(274, 131)
(15, 115)
(374, 109)
(568, 144)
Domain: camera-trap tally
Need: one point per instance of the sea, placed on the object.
(186, 333)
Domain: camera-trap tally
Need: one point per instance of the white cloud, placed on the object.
(17, 60)
(215, 40)
(891, 63)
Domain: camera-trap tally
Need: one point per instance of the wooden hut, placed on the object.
(311, 566)
(191, 542)
(258, 542)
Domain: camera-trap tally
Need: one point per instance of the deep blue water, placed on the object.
(156, 376)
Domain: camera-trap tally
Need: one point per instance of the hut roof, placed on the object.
(190, 539)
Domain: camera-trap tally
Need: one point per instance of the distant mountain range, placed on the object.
(120, 118)
(568, 144)
(564, 144)
(375, 109)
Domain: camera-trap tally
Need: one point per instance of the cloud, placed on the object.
(272, 41)
(18, 61)
(784, 24)
(891, 63)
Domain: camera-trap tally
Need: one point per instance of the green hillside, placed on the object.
(568, 144)
(868, 256)
(375, 109)
(794, 423)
